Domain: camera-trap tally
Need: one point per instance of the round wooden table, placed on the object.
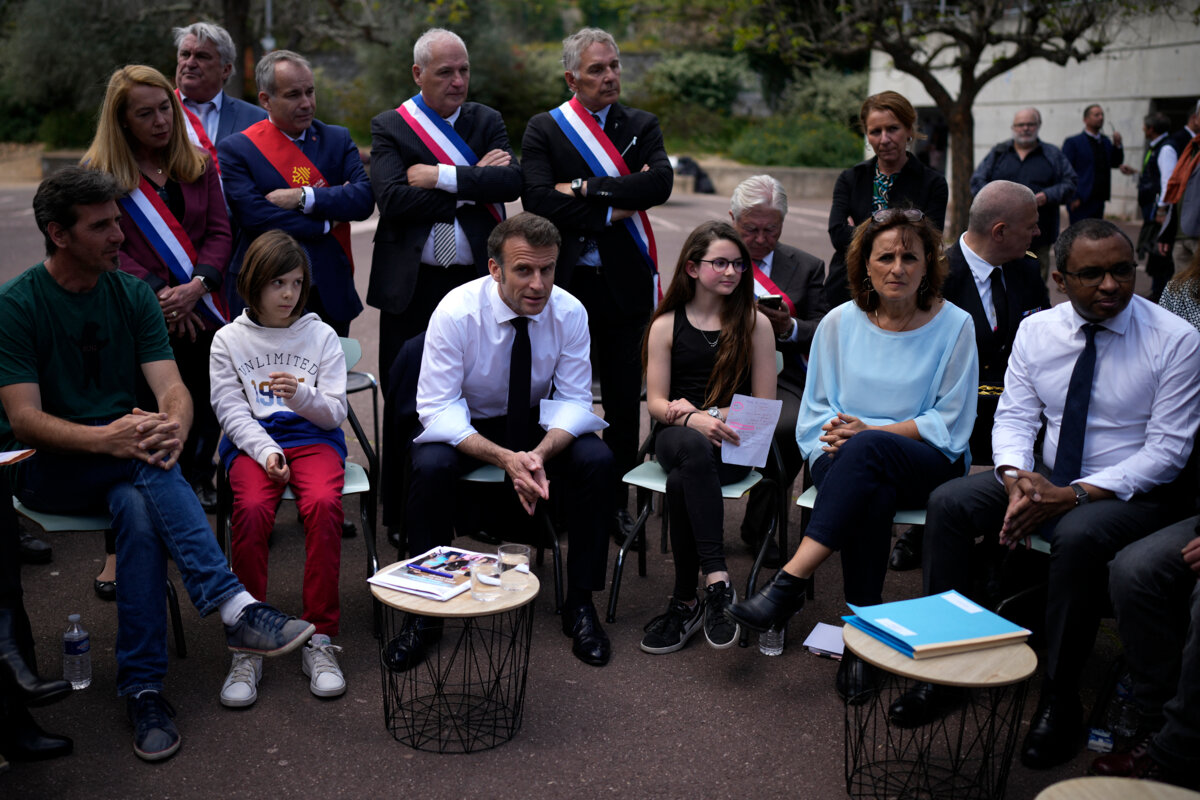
(966, 753)
(1097, 788)
(468, 693)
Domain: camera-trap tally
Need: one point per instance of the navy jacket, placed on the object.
(1078, 151)
(1045, 169)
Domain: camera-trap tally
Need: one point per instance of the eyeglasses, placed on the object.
(722, 264)
(885, 215)
(1027, 124)
(1094, 276)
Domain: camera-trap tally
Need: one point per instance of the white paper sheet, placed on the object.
(754, 420)
(825, 639)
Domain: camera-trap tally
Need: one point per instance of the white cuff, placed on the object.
(310, 200)
(448, 178)
(574, 419)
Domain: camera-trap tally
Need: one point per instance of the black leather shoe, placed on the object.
(591, 645)
(348, 529)
(19, 680)
(1054, 733)
(207, 496)
(105, 590)
(407, 649)
(396, 540)
(906, 553)
(775, 603)
(35, 551)
(622, 527)
(856, 681)
(21, 739)
(923, 704)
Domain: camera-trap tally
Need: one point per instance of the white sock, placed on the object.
(231, 610)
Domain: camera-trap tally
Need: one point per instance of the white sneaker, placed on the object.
(320, 664)
(241, 684)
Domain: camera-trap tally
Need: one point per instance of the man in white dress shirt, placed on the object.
(1101, 482)
(463, 401)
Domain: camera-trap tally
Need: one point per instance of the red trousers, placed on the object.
(316, 479)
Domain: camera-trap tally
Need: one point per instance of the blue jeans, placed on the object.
(155, 515)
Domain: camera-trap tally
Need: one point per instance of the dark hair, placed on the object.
(58, 196)
(1089, 108)
(537, 231)
(1091, 229)
(1157, 121)
(273, 254)
(859, 252)
(732, 364)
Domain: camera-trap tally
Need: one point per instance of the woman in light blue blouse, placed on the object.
(885, 418)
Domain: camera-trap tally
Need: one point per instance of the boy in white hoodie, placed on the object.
(278, 380)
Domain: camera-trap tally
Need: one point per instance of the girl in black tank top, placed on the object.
(705, 342)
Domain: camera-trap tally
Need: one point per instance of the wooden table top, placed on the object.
(1096, 788)
(993, 666)
(461, 606)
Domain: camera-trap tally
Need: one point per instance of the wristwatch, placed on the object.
(577, 187)
(1081, 495)
(303, 201)
(713, 411)
(204, 282)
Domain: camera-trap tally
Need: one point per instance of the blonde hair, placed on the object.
(111, 150)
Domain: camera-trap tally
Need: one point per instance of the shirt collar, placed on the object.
(1159, 138)
(1118, 324)
(218, 98)
(1095, 136)
(982, 270)
(602, 114)
(766, 263)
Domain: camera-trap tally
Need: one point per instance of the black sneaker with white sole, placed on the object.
(720, 630)
(669, 632)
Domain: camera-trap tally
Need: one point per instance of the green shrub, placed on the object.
(702, 80)
(64, 128)
(797, 141)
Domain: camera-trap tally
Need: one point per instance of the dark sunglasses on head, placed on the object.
(886, 215)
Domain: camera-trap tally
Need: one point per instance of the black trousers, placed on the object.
(617, 365)
(579, 475)
(196, 460)
(1081, 545)
(11, 594)
(760, 506)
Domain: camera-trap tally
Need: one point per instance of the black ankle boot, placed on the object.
(774, 605)
(21, 739)
(17, 678)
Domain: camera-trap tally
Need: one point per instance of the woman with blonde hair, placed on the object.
(177, 239)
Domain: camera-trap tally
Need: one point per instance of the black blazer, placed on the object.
(1026, 293)
(407, 214)
(799, 275)
(549, 158)
(916, 185)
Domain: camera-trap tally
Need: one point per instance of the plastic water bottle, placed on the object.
(1122, 713)
(77, 657)
(771, 641)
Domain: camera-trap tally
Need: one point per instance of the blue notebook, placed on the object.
(936, 625)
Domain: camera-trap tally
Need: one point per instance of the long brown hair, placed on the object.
(1188, 281)
(738, 313)
(111, 150)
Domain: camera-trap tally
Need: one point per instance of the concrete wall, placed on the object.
(1151, 56)
(813, 183)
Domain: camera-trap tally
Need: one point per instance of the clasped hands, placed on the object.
(146, 436)
(838, 430)
(528, 474)
(714, 429)
(1032, 499)
(178, 305)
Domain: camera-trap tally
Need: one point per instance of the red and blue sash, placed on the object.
(602, 158)
(296, 170)
(442, 140)
(195, 132)
(166, 236)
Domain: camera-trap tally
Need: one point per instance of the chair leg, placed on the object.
(638, 530)
(552, 535)
(176, 619)
(752, 580)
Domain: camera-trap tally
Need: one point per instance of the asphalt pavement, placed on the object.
(696, 723)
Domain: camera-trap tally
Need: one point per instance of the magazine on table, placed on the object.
(439, 574)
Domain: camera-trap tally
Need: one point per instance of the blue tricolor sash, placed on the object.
(442, 140)
(166, 237)
(602, 158)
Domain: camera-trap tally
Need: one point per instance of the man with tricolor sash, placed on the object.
(293, 173)
(594, 167)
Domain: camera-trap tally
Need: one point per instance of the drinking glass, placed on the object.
(514, 566)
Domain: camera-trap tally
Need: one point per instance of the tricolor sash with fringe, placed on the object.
(295, 168)
(442, 140)
(602, 158)
(195, 132)
(169, 241)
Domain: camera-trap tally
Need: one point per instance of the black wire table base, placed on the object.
(468, 694)
(964, 755)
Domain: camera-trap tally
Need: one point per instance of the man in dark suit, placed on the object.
(204, 61)
(420, 196)
(1094, 156)
(992, 255)
(308, 181)
(757, 208)
(1180, 138)
(598, 213)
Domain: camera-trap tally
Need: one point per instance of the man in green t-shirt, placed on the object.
(75, 335)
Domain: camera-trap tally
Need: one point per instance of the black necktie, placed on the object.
(1000, 302)
(520, 365)
(598, 122)
(1068, 460)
